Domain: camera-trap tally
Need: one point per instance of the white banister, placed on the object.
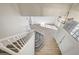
(18, 42)
(13, 45)
(22, 42)
(12, 41)
(15, 40)
(2, 47)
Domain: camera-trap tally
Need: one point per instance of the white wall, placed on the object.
(55, 9)
(74, 13)
(41, 9)
(45, 10)
(10, 20)
(30, 9)
(42, 19)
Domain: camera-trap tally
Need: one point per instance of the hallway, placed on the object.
(50, 46)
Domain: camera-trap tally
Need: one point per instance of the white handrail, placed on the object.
(2, 47)
(17, 42)
(13, 45)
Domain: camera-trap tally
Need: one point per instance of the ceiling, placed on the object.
(45, 9)
(31, 9)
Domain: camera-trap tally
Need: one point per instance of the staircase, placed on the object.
(13, 45)
(39, 41)
(3, 52)
(45, 44)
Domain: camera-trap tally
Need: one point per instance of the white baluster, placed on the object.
(20, 36)
(17, 42)
(13, 45)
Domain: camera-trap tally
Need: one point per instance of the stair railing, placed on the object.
(14, 44)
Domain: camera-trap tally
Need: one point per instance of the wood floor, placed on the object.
(50, 46)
